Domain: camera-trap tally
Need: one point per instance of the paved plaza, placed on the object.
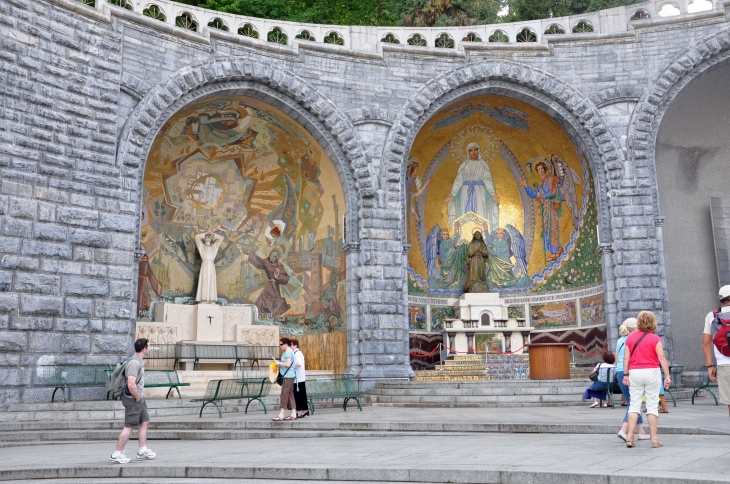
(496, 445)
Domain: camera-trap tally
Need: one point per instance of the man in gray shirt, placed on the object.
(135, 408)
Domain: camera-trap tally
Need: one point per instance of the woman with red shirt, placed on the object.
(643, 355)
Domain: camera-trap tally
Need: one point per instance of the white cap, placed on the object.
(724, 292)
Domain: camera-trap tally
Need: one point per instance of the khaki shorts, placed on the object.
(723, 383)
(134, 412)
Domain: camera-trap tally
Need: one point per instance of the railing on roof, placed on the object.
(360, 38)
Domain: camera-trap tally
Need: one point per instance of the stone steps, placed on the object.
(448, 400)
(334, 473)
(114, 410)
(501, 383)
(476, 392)
(227, 429)
(478, 367)
(487, 393)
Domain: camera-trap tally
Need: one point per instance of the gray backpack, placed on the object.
(117, 381)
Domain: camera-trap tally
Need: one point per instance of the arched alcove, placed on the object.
(235, 164)
(535, 247)
(692, 153)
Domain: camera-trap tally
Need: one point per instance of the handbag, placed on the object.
(594, 375)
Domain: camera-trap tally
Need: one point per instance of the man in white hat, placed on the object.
(720, 371)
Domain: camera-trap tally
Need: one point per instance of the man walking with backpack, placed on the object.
(717, 329)
(135, 408)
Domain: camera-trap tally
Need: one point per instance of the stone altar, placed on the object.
(485, 313)
(182, 322)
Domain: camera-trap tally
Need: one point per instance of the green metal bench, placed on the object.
(704, 384)
(252, 389)
(162, 379)
(326, 388)
(196, 352)
(676, 376)
(62, 377)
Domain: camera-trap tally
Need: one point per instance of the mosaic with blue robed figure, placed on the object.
(417, 317)
(507, 169)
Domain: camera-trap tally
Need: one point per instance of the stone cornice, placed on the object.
(367, 42)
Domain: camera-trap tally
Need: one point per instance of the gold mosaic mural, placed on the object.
(505, 168)
(253, 175)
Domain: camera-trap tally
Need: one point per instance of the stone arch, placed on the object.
(371, 114)
(612, 95)
(568, 106)
(695, 60)
(319, 115)
(676, 74)
(575, 111)
(292, 95)
(135, 86)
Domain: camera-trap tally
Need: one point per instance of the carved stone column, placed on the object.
(609, 297)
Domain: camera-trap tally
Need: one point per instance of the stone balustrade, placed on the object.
(536, 34)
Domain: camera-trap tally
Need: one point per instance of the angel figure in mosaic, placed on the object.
(446, 257)
(504, 245)
(555, 185)
(415, 186)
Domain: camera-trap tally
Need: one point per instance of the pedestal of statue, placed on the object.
(472, 305)
(208, 322)
(180, 322)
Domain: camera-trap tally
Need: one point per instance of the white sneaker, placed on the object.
(593, 405)
(621, 435)
(120, 458)
(146, 454)
(643, 436)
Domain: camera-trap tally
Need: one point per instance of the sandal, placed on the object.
(278, 419)
(656, 443)
(289, 418)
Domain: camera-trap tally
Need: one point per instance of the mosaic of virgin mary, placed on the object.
(506, 169)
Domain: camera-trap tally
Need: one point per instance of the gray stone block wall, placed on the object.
(83, 93)
(68, 218)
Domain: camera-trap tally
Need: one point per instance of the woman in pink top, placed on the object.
(643, 355)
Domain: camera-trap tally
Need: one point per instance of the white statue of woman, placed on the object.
(208, 244)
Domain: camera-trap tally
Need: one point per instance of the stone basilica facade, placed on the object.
(341, 150)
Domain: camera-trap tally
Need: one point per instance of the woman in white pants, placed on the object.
(642, 356)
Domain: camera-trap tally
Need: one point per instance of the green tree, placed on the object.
(444, 13)
(521, 10)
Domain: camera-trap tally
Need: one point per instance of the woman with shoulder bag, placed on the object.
(287, 372)
(625, 330)
(642, 356)
(599, 385)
